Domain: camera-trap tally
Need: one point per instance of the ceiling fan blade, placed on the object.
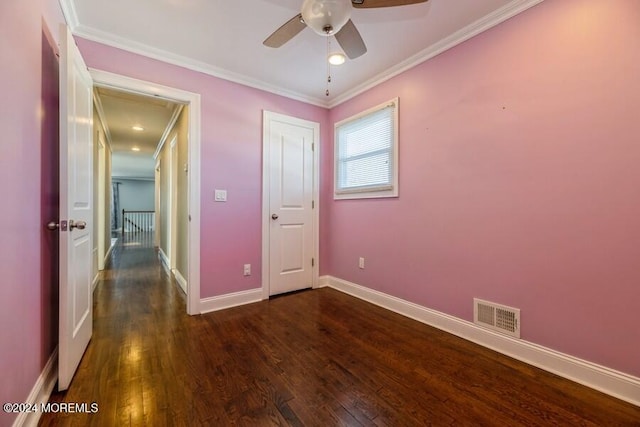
(362, 4)
(351, 41)
(286, 32)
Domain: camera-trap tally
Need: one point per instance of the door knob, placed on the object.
(53, 226)
(274, 216)
(80, 225)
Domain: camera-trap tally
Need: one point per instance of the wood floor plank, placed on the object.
(313, 358)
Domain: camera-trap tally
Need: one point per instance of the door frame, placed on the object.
(141, 87)
(267, 117)
(102, 195)
(173, 204)
(157, 219)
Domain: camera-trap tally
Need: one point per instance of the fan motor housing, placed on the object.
(326, 17)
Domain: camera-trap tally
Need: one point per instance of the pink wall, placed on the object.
(28, 172)
(231, 160)
(519, 181)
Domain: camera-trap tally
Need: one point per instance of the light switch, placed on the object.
(220, 196)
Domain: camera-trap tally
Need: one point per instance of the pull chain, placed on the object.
(328, 66)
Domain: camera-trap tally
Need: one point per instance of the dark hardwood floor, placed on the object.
(314, 358)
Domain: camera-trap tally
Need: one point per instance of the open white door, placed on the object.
(76, 210)
(290, 172)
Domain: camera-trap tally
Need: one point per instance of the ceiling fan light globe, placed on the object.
(322, 15)
(337, 58)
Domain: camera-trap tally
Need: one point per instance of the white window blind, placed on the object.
(366, 153)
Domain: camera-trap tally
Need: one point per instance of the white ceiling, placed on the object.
(120, 112)
(224, 38)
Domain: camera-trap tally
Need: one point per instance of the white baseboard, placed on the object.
(96, 279)
(230, 300)
(182, 282)
(109, 251)
(614, 383)
(165, 259)
(40, 392)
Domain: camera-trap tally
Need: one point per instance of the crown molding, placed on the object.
(508, 11)
(70, 15)
(191, 64)
(485, 23)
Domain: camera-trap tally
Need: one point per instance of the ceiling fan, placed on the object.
(331, 18)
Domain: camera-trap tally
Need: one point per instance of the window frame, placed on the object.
(384, 191)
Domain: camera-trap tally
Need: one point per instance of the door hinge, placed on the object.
(313, 204)
(313, 146)
(313, 262)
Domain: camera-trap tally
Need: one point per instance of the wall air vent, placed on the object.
(497, 317)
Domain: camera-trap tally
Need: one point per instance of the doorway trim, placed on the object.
(128, 84)
(102, 177)
(267, 117)
(173, 205)
(156, 225)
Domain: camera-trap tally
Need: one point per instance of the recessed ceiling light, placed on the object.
(337, 58)
(135, 148)
(137, 128)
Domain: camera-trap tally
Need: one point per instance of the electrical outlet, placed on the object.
(247, 269)
(361, 263)
(220, 195)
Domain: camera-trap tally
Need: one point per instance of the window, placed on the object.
(366, 154)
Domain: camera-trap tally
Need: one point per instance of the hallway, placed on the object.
(316, 358)
(139, 329)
